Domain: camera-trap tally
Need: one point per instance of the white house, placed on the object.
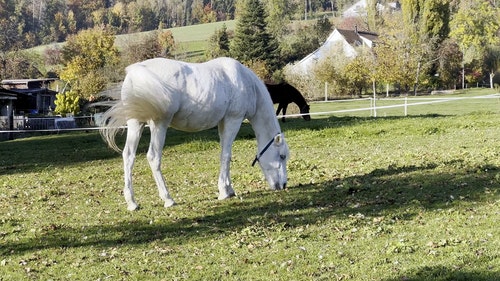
(343, 40)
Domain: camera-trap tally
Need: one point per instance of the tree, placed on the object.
(142, 17)
(209, 15)
(218, 44)
(357, 73)
(167, 43)
(474, 27)
(397, 56)
(323, 28)
(303, 41)
(449, 63)
(67, 103)
(196, 11)
(426, 26)
(492, 61)
(252, 42)
(278, 17)
(326, 69)
(83, 12)
(347, 75)
(225, 8)
(372, 14)
(85, 54)
(435, 21)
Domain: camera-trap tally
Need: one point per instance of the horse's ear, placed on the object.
(278, 139)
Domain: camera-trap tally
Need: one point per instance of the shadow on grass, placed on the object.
(441, 273)
(398, 192)
(38, 153)
(344, 121)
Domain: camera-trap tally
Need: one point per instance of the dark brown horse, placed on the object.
(283, 94)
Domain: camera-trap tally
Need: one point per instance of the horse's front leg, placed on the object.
(227, 134)
(158, 134)
(134, 131)
(278, 109)
(284, 112)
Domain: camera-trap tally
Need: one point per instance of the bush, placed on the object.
(67, 102)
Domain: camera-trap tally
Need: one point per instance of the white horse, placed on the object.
(194, 97)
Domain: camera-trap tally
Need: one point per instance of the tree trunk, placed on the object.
(416, 80)
(463, 77)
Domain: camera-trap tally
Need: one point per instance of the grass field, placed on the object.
(191, 40)
(389, 198)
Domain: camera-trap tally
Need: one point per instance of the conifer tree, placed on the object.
(252, 42)
(218, 44)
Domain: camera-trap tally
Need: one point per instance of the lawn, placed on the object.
(388, 198)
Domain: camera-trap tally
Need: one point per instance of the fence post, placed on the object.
(10, 111)
(326, 91)
(406, 106)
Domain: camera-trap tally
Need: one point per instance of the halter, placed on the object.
(263, 150)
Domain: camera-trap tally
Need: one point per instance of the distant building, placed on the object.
(7, 99)
(32, 96)
(340, 41)
(359, 8)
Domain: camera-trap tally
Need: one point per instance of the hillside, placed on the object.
(191, 40)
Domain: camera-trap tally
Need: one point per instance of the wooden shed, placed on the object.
(33, 96)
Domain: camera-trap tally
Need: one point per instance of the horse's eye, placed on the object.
(282, 156)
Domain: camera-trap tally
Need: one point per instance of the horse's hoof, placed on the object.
(169, 203)
(226, 196)
(132, 207)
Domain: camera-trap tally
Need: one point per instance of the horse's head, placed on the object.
(305, 111)
(272, 160)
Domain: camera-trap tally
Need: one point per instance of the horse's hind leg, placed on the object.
(158, 133)
(134, 130)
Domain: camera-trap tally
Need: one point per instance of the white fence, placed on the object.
(23, 125)
(26, 126)
(38, 124)
(404, 104)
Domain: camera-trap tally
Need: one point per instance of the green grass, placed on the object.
(454, 106)
(191, 40)
(390, 198)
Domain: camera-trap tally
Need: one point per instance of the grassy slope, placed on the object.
(395, 198)
(192, 40)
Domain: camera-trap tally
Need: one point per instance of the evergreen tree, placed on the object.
(218, 44)
(252, 42)
(278, 17)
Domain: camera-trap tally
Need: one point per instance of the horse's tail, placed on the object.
(143, 97)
